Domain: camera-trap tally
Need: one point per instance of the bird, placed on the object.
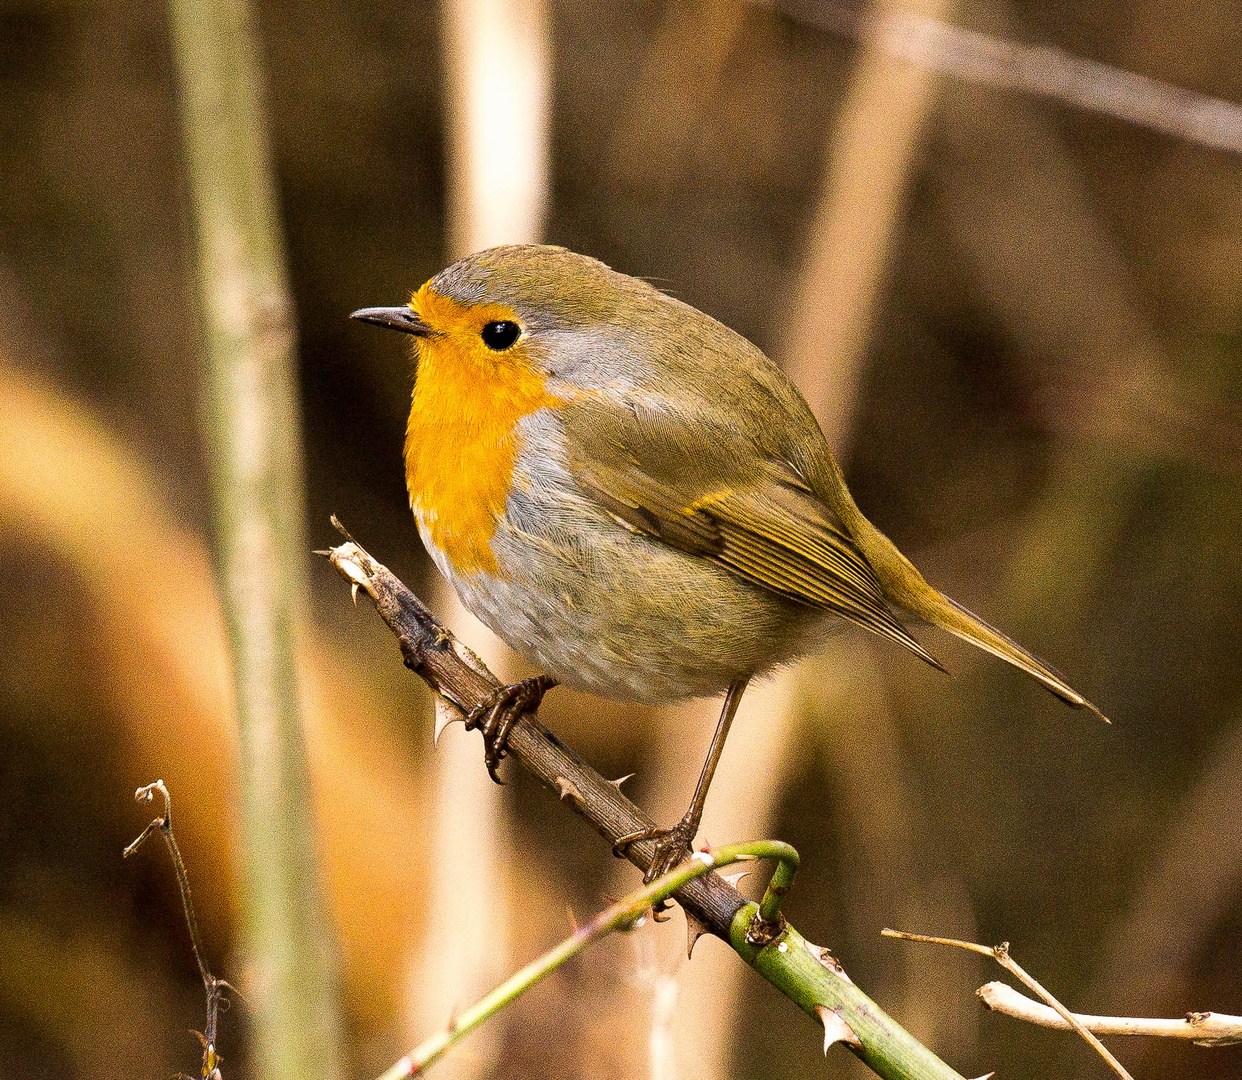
(637, 499)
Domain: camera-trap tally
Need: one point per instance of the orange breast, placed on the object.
(461, 443)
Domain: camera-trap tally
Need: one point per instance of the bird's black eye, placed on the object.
(500, 335)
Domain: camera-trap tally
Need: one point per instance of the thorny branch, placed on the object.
(461, 681)
(805, 973)
(214, 987)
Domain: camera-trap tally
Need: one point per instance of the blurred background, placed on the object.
(1020, 323)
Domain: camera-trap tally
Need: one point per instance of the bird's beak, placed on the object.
(394, 318)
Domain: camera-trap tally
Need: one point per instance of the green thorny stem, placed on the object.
(214, 987)
(765, 922)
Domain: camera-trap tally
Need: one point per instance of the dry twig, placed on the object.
(214, 987)
(1202, 1028)
(1040, 70)
(1000, 953)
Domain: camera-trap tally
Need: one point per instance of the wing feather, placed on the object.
(768, 528)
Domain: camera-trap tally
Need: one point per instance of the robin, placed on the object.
(636, 498)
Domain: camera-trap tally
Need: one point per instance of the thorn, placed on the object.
(445, 715)
(733, 879)
(830, 962)
(355, 574)
(353, 592)
(569, 788)
(573, 923)
(325, 552)
(836, 1030)
(694, 931)
(621, 780)
(986, 1076)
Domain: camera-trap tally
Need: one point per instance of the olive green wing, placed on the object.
(755, 518)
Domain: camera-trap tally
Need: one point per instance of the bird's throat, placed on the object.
(461, 445)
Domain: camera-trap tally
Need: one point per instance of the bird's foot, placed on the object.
(496, 716)
(673, 847)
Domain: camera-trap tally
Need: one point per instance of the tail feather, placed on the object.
(968, 626)
(905, 587)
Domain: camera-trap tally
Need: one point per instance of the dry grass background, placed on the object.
(1018, 322)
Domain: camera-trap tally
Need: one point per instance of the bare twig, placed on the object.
(214, 987)
(618, 916)
(1000, 953)
(1202, 1028)
(497, 66)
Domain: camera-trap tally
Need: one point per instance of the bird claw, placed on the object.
(496, 716)
(673, 847)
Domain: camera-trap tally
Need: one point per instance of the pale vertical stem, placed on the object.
(466, 951)
(871, 156)
(661, 1046)
(497, 59)
(497, 63)
(255, 439)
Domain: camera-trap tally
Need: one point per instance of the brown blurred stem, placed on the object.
(806, 974)
(255, 439)
(213, 987)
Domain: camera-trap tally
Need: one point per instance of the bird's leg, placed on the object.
(497, 715)
(673, 845)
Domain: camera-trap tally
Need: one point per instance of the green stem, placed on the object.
(255, 441)
(778, 887)
(814, 981)
(620, 915)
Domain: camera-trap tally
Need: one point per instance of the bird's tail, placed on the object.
(904, 585)
(951, 616)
